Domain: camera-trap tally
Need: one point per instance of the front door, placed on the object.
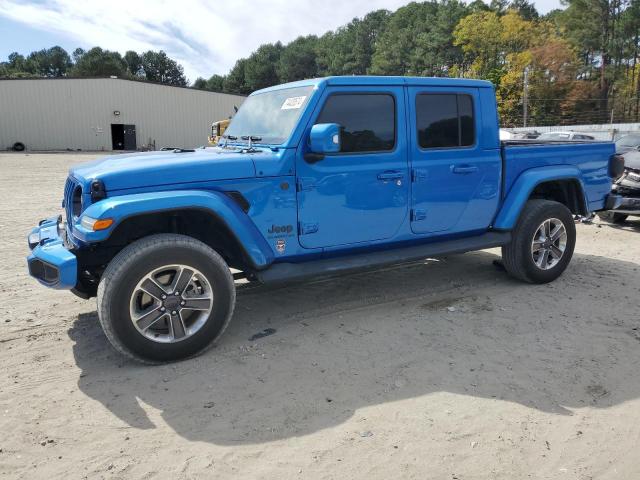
(361, 193)
(456, 181)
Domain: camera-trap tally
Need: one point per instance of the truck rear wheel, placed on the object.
(542, 242)
(165, 297)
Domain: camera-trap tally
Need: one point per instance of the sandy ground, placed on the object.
(367, 376)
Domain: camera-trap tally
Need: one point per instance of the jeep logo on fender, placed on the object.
(280, 229)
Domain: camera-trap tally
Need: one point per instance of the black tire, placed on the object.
(517, 255)
(121, 279)
(613, 217)
(18, 147)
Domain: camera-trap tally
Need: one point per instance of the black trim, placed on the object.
(285, 272)
(98, 191)
(616, 166)
(237, 197)
(311, 157)
(44, 271)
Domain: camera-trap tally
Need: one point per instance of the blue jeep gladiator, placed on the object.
(312, 178)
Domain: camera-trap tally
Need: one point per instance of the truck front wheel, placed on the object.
(542, 242)
(165, 297)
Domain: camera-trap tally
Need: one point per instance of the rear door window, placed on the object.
(445, 120)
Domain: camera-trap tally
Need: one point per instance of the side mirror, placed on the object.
(325, 138)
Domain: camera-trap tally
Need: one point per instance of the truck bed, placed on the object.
(585, 156)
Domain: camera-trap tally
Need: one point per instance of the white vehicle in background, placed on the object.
(506, 134)
(564, 136)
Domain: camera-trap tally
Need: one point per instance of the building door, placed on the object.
(359, 194)
(130, 137)
(123, 137)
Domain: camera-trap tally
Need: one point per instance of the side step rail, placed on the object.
(285, 272)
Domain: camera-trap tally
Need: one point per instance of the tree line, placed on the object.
(56, 62)
(574, 65)
(581, 62)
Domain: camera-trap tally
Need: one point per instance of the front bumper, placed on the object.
(50, 261)
(628, 206)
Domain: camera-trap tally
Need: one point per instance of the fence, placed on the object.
(607, 131)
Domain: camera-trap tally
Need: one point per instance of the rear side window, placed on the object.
(368, 121)
(445, 120)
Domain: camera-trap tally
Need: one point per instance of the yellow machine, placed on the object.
(217, 130)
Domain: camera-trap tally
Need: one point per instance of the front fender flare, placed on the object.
(525, 184)
(122, 207)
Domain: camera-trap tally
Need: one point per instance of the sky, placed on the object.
(202, 35)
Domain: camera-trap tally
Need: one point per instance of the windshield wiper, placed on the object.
(250, 139)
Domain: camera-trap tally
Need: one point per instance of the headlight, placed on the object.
(34, 239)
(95, 224)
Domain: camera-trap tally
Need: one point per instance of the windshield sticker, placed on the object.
(293, 102)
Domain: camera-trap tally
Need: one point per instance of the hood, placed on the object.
(148, 169)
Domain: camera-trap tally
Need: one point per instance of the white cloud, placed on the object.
(206, 37)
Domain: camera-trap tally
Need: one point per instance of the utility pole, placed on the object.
(525, 96)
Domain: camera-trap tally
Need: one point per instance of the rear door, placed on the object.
(359, 194)
(455, 181)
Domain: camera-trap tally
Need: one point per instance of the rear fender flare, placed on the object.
(521, 190)
(216, 203)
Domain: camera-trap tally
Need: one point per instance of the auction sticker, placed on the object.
(293, 102)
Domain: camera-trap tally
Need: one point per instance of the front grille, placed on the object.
(72, 200)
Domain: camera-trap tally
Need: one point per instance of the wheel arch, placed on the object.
(561, 184)
(211, 217)
(199, 223)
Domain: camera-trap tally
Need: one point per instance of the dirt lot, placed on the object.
(443, 370)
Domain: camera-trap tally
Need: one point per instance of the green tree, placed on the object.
(134, 63)
(298, 60)
(200, 83)
(499, 6)
(596, 28)
(99, 63)
(349, 50)
(216, 83)
(525, 9)
(77, 54)
(158, 67)
(478, 6)
(51, 62)
(260, 69)
(418, 40)
(235, 81)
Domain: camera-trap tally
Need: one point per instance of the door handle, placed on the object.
(464, 169)
(390, 175)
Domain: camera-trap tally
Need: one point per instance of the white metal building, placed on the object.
(107, 114)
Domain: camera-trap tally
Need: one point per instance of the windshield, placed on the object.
(629, 141)
(269, 116)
